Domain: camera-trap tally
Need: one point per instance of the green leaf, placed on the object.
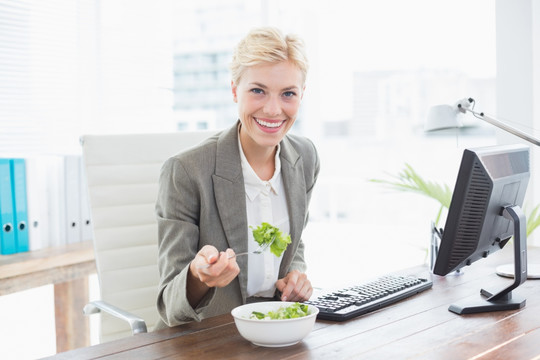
(409, 180)
(268, 234)
(533, 220)
(258, 315)
(292, 311)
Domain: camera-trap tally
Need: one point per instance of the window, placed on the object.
(74, 67)
(376, 68)
(44, 49)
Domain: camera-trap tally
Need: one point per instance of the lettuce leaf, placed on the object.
(268, 234)
(293, 311)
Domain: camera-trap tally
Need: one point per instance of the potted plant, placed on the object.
(408, 180)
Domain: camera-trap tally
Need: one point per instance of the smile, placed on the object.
(271, 125)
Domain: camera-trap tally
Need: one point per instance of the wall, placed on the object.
(518, 78)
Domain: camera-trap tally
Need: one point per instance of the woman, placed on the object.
(254, 172)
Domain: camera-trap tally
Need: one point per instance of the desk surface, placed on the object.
(420, 328)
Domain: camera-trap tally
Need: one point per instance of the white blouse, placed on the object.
(265, 202)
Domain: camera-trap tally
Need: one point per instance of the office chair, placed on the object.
(122, 173)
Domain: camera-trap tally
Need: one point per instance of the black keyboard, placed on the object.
(354, 301)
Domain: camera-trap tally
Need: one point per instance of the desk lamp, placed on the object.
(446, 117)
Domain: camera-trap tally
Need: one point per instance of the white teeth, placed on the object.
(267, 124)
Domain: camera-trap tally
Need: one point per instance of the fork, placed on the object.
(257, 251)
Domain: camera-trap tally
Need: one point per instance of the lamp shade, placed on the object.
(442, 117)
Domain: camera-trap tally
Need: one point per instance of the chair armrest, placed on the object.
(137, 324)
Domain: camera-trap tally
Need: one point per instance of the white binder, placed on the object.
(72, 199)
(38, 211)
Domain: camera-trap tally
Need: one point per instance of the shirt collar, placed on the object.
(253, 184)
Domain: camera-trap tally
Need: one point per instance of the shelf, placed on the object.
(67, 268)
(52, 265)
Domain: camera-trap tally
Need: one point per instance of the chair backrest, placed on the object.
(122, 173)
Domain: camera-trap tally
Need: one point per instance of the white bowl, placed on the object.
(272, 333)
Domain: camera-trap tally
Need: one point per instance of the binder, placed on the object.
(56, 200)
(20, 203)
(36, 195)
(87, 232)
(72, 183)
(8, 243)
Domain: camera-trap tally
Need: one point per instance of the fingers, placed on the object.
(209, 254)
(204, 258)
(222, 270)
(295, 287)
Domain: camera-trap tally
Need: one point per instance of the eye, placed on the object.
(257, 91)
(289, 94)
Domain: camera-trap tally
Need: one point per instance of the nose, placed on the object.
(272, 107)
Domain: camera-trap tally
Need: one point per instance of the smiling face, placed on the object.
(268, 97)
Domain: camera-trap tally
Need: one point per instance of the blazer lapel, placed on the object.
(230, 198)
(295, 191)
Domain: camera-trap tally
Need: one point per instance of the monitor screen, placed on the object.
(490, 180)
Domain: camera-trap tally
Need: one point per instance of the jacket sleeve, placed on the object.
(177, 209)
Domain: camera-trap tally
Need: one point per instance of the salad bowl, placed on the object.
(273, 332)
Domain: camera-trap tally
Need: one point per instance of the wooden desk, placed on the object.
(67, 267)
(420, 328)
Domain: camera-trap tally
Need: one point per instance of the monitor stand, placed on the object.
(503, 300)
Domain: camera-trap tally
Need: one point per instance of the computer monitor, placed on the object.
(484, 213)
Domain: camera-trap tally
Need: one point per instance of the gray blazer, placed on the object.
(201, 200)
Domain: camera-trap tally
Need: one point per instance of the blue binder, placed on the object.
(20, 204)
(8, 244)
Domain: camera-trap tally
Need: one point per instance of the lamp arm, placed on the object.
(503, 126)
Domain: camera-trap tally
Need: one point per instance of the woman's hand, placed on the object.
(222, 270)
(295, 286)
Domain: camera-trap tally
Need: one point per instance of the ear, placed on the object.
(234, 91)
(303, 91)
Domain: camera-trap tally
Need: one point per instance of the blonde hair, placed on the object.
(268, 45)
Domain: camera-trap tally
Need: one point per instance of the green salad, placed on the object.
(293, 311)
(268, 234)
